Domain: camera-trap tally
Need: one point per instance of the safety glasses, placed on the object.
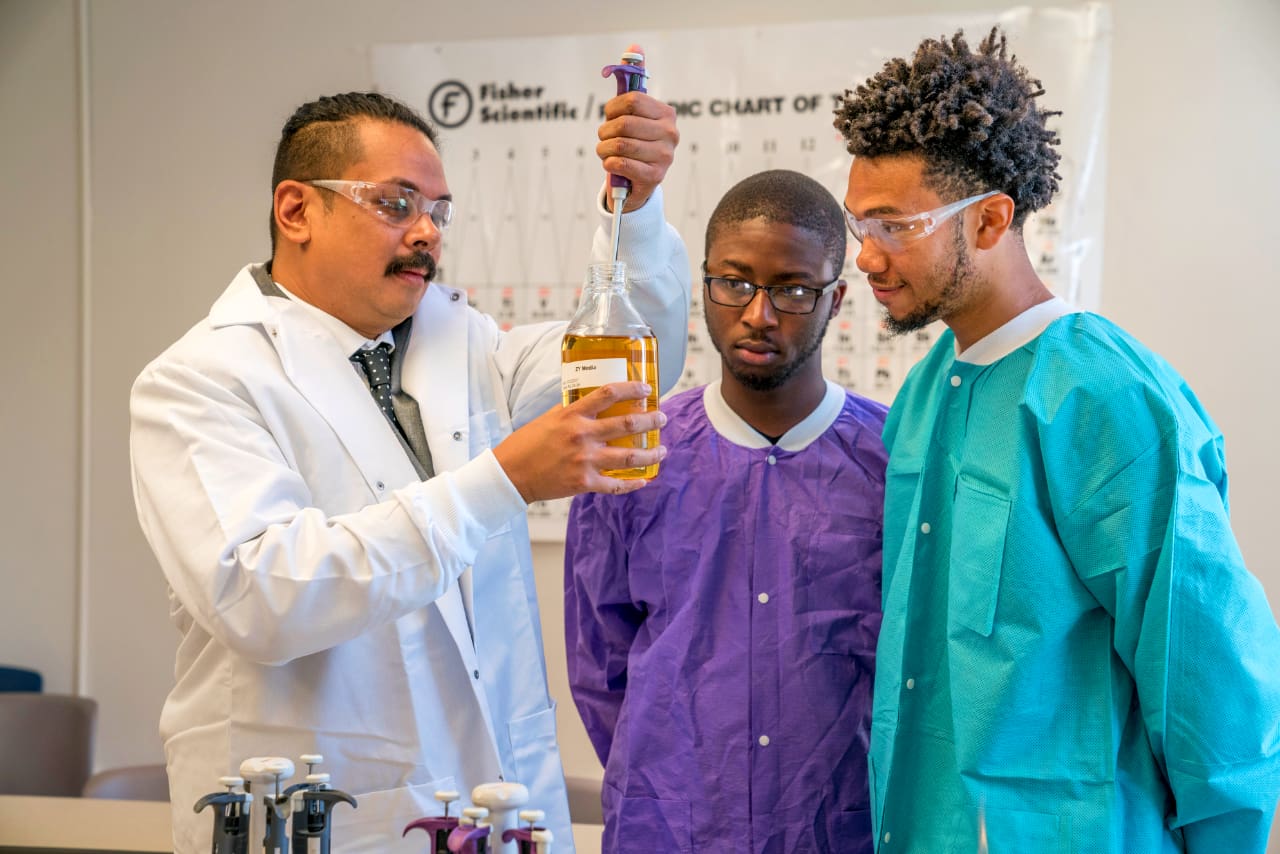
(391, 202)
(895, 233)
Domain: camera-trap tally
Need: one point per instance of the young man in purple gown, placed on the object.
(721, 624)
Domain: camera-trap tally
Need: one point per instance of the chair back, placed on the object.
(584, 800)
(46, 743)
(130, 783)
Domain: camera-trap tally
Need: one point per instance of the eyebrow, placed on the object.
(738, 269)
(745, 271)
(882, 210)
(409, 185)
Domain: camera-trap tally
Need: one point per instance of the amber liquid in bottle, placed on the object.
(641, 355)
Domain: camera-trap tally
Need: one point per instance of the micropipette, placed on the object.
(630, 75)
(230, 818)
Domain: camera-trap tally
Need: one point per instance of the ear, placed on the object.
(293, 207)
(837, 297)
(995, 215)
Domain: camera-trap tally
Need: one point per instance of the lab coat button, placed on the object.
(455, 296)
(457, 435)
(773, 461)
(381, 486)
(911, 683)
(764, 598)
(955, 382)
(475, 674)
(925, 528)
(886, 836)
(764, 741)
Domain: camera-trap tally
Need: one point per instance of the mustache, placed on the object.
(756, 339)
(416, 261)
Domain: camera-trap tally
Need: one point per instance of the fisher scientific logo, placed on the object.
(450, 104)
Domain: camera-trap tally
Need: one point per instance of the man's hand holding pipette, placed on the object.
(637, 141)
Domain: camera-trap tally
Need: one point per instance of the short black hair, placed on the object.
(790, 198)
(971, 115)
(321, 138)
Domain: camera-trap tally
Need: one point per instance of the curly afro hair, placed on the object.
(971, 115)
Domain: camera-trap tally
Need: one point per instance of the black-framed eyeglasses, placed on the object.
(788, 299)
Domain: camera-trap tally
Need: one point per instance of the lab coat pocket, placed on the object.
(1015, 831)
(644, 825)
(850, 831)
(837, 597)
(486, 431)
(977, 554)
(379, 819)
(537, 757)
(902, 483)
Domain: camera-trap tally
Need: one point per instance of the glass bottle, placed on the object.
(608, 341)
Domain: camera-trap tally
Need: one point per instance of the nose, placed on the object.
(871, 258)
(423, 234)
(759, 313)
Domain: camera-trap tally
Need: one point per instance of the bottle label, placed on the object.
(590, 373)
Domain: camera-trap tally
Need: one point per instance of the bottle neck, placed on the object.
(601, 288)
(607, 276)
(605, 308)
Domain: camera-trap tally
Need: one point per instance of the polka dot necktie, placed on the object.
(376, 362)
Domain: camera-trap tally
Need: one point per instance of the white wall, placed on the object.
(185, 101)
(40, 339)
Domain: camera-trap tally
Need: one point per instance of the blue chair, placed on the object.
(20, 679)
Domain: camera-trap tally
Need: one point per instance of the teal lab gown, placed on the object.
(1073, 657)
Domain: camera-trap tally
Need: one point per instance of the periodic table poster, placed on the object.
(518, 117)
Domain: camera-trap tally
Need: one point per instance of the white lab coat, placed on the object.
(319, 585)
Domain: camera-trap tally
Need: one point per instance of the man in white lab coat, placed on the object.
(350, 571)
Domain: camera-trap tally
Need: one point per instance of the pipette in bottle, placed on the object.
(630, 75)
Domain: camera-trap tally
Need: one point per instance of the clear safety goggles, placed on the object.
(894, 233)
(391, 202)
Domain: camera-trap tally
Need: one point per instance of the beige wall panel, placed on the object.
(40, 347)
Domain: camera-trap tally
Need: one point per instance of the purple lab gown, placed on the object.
(721, 627)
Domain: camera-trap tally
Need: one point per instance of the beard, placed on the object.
(418, 260)
(958, 280)
(771, 378)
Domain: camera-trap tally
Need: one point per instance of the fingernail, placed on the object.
(662, 452)
(648, 389)
(662, 419)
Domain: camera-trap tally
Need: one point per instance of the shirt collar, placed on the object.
(731, 426)
(1023, 328)
(348, 339)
